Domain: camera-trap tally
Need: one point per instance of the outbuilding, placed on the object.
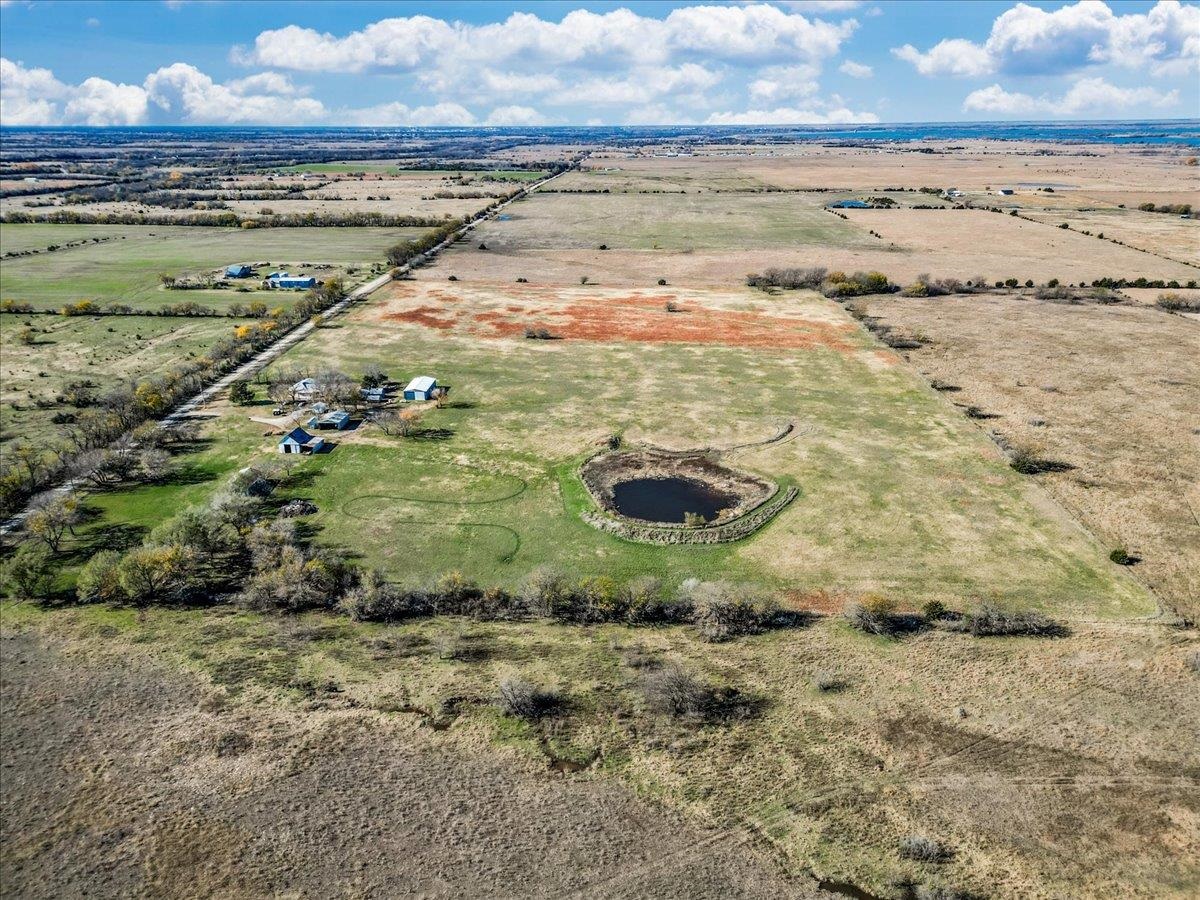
(338, 420)
(286, 281)
(374, 395)
(1005, 192)
(304, 389)
(239, 271)
(300, 441)
(420, 388)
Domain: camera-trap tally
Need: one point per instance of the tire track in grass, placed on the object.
(522, 485)
(430, 523)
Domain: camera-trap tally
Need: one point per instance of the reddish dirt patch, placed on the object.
(644, 319)
(424, 315)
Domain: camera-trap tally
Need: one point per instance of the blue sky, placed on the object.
(451, 63)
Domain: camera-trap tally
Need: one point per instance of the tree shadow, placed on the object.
(185, 475)
(432, 434)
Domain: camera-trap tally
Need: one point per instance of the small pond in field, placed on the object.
(669, 499)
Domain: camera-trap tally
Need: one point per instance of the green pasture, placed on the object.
(899, 493)
(127, 269)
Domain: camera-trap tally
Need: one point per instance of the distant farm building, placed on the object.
(241, 271)
(300, 441)
(304, 389)
(849, 204)
(338, 420)
(285, 281)
(421, 388)
(374, 395)
(1005, 192)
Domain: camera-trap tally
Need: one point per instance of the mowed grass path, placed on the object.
(127, 269)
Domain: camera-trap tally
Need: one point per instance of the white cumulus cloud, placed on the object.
(179, 92)
(1087, 96)
(515, 115)
(33, 96)
(777, 83)
(791, 116)
(748, 34)
(855, 69)
(398, 113)
(1029, 40)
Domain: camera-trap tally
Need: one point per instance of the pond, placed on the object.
(668, 499)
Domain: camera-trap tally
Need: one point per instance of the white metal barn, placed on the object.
(420, 388)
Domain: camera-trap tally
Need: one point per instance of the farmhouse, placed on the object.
(286, 281)
(338, 420)
(303, 389)
(238, 271)
(300, 441)
(420, 388)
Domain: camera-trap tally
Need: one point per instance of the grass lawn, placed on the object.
(127, 269)
(103, 349)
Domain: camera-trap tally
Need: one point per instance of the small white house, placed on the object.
(304, 389)
(300, 441)
(420, 388)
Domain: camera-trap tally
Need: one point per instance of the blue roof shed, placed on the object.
(239, 271)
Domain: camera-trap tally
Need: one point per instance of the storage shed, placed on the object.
(420, 388)
(285, 281)
(300, 441)
(338, 420)
(239, 271)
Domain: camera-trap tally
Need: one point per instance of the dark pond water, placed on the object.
(667, 499)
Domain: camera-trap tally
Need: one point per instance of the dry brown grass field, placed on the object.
(1113, 390)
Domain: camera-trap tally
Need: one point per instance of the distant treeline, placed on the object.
(225, 219)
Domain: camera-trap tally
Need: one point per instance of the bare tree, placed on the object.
(336, 389)
(155, 464)
(52, 516)
(400, 424)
